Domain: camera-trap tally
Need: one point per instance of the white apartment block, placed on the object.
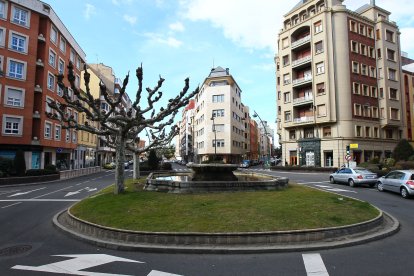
(220, 99)
(339, 83)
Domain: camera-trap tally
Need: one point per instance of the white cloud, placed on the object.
(89, 11)
(407, 41)
(130, 19)
(122, 2)
(177, 27)
(159, 38)
(265, 67)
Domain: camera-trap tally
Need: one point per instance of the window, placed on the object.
(374, 92)
(72, 56)
(220, 143)
(318, 47)
(380, 73)
(17, 69)
(356, 88)
(20, 16)
(68, 136)
(74, 136)
(381, 92)
(365, 90)
(52, 58)
(286, 60)
(366, 111)
(361, 29)
(285, 42)
(372, 72)
(51, 81)
(59, 91)
(18, 42)
(321, 88)
(390, 54)
(218, 113)
(1, 65)
(326, 132)
(3, 10)
(395, 114)
(78, 62)
(374, 112)
(358, 131)
(62, 45)
(288, 116)
(354, 46)
(292, 135)
(321, 110)
(378, 34)
(318, 27)
(48, 101)
(58, 131)
(2, 37)
(12, 125)
(352, 26)
(320, 68)
(389, 36)
(61, 66)
(363, 49)
(48, 130)
(218, 98)
(308, 132)
(382, 113)
(379, 53)
(286, 97)
(53, 34)
(357, 110)
(370, 32)
(77, 81)
(375, 132)
(392, 74)
(393, 94)
(371, 52)
(14, 97)
(367, 131)
(364, 70)
(355, 67)
(216, 127)
(286, 79)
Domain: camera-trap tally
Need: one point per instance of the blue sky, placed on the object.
(185, 38)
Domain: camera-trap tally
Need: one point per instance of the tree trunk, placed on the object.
(120, 165)
(137, 173)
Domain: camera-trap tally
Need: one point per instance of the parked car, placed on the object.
(245, 164)
(399, 181)
(255, 162)
(353, 177)
(110, 165)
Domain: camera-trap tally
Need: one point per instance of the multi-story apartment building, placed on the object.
(254, 141)
(266, 135)
(35, 46)
(408, 79)
(219, 118)
(187, 132)
(338, 83)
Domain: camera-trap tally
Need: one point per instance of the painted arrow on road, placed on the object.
(78, 191)
(25, 193)
(85, 261)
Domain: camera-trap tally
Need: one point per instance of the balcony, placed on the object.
(303, 100)
(300, 42)
(118, 81)
(38, 89)
(301, 81)
(302, 120)
(301, 61)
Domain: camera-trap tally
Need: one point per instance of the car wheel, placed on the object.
(404, 193)
(351, 183)
(380, 187)
(332, 180)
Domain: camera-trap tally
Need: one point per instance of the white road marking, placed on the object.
(341, 190)
(9, 192)
(28, 192)
(10, 205)
(323, 186)
(53, 192)
(77, 263)
(304, 183)
(314, 265)
(39, 200)
(160, 273)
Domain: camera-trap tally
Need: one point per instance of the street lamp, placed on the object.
(215, 138)
(266, 133)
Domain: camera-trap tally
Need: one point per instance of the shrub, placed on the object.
(19, 163)
(404, 165)
(38, 172)
(153, 160)
(389, 162)
(403, 150)
(5, 166)
(411, 158)
(51, 168)
(166, 166)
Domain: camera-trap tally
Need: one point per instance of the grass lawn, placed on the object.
(297, 207)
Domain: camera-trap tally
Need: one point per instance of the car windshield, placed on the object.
(363, 171)
(412, 177)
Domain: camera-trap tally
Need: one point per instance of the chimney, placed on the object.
(373, 3)
(227, 71)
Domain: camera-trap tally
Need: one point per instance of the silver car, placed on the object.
(400, 181)
(354, 177)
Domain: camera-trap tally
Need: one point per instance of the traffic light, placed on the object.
(347, 149)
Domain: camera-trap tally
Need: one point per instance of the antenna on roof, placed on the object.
(213, 63)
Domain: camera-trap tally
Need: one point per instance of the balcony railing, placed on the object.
(302, 120)
(301, 61)
(301, 41)
(302, 80)
(306, 98)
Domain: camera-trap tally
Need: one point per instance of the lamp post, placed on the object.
(266, 134)
(215, 138)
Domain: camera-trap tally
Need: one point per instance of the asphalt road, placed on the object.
(30, 245)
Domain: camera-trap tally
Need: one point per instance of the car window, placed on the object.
(348, 171)
(341, 171)
(362, 171)
(412, 177)
(390, 175)
(400, 175)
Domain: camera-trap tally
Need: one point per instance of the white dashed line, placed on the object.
(314, 265)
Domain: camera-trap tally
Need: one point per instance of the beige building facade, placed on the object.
(338, 84)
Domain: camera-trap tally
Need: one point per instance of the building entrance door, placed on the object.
(310, 158)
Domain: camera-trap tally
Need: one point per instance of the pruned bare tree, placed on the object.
(121, 127)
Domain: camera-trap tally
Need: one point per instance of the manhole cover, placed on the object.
(14, 250)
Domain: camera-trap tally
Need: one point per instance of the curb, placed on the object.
(122, 240)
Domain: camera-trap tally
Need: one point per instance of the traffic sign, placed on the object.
(348, 157)
(353, 146)
(59, 150)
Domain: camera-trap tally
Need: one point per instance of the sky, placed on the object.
(186, 38)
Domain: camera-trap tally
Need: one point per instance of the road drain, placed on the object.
(14, 250)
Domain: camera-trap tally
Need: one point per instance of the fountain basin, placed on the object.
(185, 183)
